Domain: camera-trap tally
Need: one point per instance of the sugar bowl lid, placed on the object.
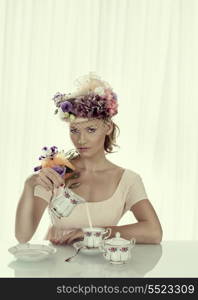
(117, 240)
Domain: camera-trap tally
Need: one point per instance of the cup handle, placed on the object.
(133, 241)
(106, 231)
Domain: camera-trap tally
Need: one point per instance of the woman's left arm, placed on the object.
(147, 230)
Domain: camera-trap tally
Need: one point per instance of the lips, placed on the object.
(83, 148)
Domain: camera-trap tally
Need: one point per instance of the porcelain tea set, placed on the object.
(96, 240)
(116, 250)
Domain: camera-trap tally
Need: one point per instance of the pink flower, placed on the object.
(124, 249)
(97, 234)
(111, 103)
(112, 249)
(111, 111)
(74, 201)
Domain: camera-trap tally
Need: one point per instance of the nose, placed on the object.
(81, 140)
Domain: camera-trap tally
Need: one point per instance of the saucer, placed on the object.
(85, 249)
(31, 252)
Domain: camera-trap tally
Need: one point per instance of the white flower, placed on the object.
(72, 117)
(47, 152)
(83, 80)
(99, 90)
(66, 114)
(75, 94)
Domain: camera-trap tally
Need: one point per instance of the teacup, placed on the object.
(94, 236)
(117, 250)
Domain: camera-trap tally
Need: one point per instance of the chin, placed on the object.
(86, 153)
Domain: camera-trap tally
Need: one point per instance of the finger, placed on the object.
(66, 237)
(63, 242)
(75, 175)
(67, 177)
(49, 179)
(43, 179)
(74, 237)
(57, 177)
(53, 242)
(71, 240)
(60, 237)
(45, 184)
(74, 185)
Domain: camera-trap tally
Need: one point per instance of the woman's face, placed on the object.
(88, 136)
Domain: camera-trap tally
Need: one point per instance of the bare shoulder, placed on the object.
(115, 169)
(113, 173)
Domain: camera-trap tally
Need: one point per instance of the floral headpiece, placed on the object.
(94, 98)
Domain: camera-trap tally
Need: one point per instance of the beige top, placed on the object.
(108, 212)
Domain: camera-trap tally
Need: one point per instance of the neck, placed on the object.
(92, 164)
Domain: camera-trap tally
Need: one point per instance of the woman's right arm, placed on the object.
(31, 208)
(25, 224)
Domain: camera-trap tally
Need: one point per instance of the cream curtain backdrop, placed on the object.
(147, 50)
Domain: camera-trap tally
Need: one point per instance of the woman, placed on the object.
(108, 189)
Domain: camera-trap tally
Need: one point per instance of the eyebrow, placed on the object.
(85, 127)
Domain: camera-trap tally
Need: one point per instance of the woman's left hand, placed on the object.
(69, 237)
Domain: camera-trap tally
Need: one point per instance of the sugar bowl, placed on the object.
(117, 250)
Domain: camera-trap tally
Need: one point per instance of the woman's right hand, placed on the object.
(47, 178)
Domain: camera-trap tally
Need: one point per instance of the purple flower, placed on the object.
(58, 98)
(41, 157)
(53, 148)
(58, 94)
(37, 168)
(60, 170)
(66, 106)
(91, 106)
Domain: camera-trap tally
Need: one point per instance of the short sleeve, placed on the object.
(41, 192)
(136, 192)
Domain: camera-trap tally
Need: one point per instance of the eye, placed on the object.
(91, 129)
(73, 130)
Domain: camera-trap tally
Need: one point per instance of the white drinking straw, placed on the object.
(88, 215)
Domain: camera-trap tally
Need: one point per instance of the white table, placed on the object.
(169, 259)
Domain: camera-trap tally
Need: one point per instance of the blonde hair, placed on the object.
(110, 140)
